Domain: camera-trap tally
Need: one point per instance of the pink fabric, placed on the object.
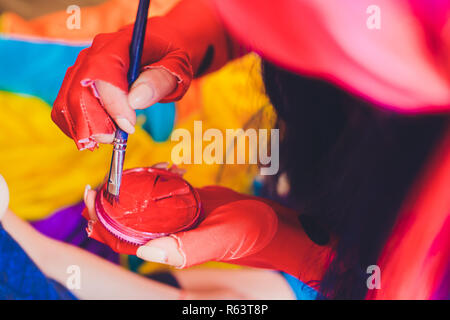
(394, 66)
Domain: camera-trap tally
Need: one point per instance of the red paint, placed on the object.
(152, 203)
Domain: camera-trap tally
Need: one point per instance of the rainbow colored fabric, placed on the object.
(34, 56)
(44, 170)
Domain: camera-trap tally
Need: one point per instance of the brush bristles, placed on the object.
(112, 199)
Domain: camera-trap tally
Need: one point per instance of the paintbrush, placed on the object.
(112, 191)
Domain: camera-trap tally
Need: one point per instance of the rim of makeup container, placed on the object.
(140, 237)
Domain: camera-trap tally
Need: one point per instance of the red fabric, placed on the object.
(244, 230)
(178, 42)
(415, 260)
(404, 65)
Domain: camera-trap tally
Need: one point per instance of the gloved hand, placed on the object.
(251, 218)
(93, 98)
(236, 228)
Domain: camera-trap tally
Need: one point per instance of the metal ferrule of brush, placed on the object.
(115, 172)
(120, 140)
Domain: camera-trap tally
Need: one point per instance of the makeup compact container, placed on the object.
(153, 203)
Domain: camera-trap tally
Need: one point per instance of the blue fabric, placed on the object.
(301, 290)
(159, 121)
(37, 68)
(20, 279)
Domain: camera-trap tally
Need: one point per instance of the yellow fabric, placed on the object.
(235, 96)
(150, 267)
(1, 23)
(43, 168)
(46, 172)
(55, 173)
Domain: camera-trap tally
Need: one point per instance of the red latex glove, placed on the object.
(245, 216)
(188, 41)
(238, 229)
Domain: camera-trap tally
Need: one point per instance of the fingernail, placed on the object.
(152, 254)
(141, 96)
(161, 165)
(125, 125)
(103, 138)
(86, 190)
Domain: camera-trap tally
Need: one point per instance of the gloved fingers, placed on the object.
(163, 250)
(4, 196)
(151, 86)
(60, 112)
(230, 232)
(94, 100)
(89, 119)
(102, 40)
(174, 66)
(79, 114)
(115, 102)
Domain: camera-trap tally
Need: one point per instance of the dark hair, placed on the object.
(349, 165)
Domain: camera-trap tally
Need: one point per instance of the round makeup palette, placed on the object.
(153, 203)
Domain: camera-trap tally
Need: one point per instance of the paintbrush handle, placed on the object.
(121, 137)
(136, 46)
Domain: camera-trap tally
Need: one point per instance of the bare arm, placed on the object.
(100, 279)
